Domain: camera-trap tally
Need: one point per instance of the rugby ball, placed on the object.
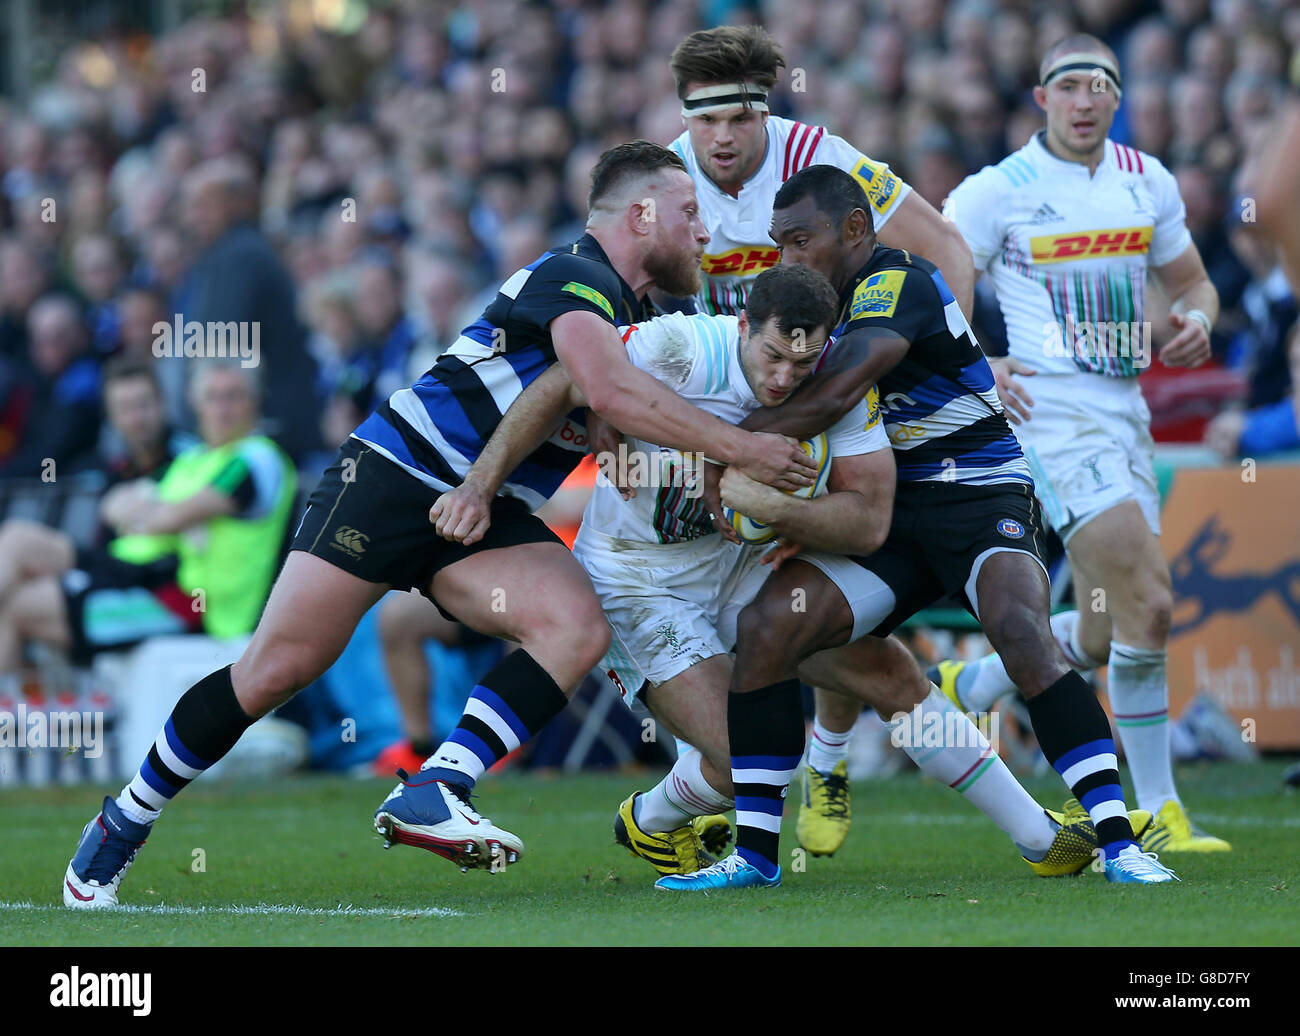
(750, 531)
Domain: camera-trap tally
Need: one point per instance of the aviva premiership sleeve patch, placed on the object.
(880, 184)
(873, 408)
(878, 295)
(591, 295)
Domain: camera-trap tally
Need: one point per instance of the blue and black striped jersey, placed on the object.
(940, 407)
(437, 428)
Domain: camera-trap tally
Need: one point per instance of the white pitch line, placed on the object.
(260, 910)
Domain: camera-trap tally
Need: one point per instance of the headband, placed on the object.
(1084, 61)
(724, 95)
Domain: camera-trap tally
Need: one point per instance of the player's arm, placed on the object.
(903, 219)
(463, 514)
(156, 518)
(1279, 189)
(918, 228)
(975, 210)
(1194, 307)
(852, 518)
(206, 504)
(246, 486)
(887, 313)
(856, 361)
(637, 404)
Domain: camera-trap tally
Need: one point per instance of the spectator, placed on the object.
(388, 334)
(238, 277)
(1262, 430)
(62, 423)
(97, 271)
(23, 279)
(237, 487)
(147, 446)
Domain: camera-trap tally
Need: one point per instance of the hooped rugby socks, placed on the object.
(1074, 734)
(767, 739)
(682, 795)
(203, 727)
(509, 706)
(946, 745)
(1139, 697)
(827, 748)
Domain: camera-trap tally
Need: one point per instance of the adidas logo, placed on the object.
(1045, 214)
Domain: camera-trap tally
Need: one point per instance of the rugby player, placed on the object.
(672, 587)
(964, 522)
(739, 155)
(367, 530)
(1069, 227)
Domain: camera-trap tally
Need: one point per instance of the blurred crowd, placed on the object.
(360, 187)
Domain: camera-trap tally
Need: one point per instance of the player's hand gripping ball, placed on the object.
(754, 532)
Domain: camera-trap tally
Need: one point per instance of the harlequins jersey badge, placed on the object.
(1011, 528)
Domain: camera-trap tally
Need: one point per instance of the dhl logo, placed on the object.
(1059, 248)
(740, 260)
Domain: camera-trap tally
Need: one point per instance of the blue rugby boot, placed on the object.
(1131, 866)
(434, 815)
(106, 851)
(733, 872)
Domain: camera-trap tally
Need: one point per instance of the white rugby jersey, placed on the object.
(698, 356)
(740, 243)
(1068, 252)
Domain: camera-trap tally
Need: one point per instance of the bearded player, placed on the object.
(367, 530)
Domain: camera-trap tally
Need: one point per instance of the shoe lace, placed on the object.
(727, 865)
(1142, 863)
(1074, 811)
(112, 857)
(837, 796)
(462, 794)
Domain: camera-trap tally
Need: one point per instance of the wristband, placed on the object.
(1200, 318)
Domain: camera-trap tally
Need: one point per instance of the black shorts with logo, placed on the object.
(375, 524)
(939, 532)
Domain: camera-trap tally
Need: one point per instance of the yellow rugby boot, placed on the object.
(715, 832)
(1075, 844)
(1174, 832)
(944, 676)
(824, 814)
(670, 852)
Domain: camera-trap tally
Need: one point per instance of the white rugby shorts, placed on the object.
(669, 605)
(1089, 447)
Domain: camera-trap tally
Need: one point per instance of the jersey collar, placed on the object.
(634, 309)
(1041, 152)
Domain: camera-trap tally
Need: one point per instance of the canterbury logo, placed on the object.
(1059, 248)
(741, 260)
(349, 539)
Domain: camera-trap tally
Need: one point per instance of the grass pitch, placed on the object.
(296, 863)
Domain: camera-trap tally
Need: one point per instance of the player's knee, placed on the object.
(267, 678)
(1154, 612)
(1030, 654)
(575, 627)
(757, 626)
(395, 626)
(906, 687)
